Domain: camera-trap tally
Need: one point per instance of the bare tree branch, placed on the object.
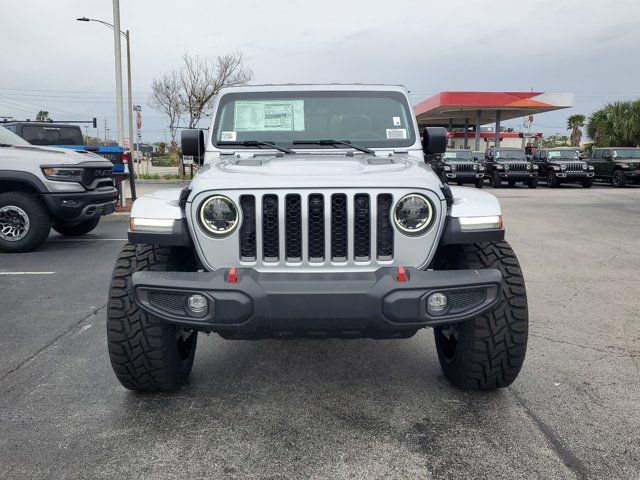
(166, 99)
(201, 80)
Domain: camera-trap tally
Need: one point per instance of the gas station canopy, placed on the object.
(457, 109)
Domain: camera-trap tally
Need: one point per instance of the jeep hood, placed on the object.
(315, 171)
(48, 155)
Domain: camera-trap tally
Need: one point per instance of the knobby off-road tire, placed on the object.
(480, 183)
(496, 182)
(487, 352)
(27, 209)
(588, 183)
(553, 181)
(77, 229)
(147, 355)
(532, 182)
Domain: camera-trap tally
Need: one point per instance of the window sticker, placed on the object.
(228, 137)
(269, 115)
(396, 121)
(396, 133)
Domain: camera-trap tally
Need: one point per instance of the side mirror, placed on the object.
(193, 144)
(434, 140)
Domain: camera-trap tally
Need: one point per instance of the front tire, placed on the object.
(25, 222)
(488, 351)
(619, 179)
(480, 183)
(533, 182)
(495, 180)
(588, 183)
(553, 181)
(147, 355)
(78, 229)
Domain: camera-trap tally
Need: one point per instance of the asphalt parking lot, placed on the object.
(338, 409)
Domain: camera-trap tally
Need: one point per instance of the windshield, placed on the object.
(627, 153)
(370, 119)
(510, 155)
(466, 155)
(563, 155)
(10, 138)
(52, 135)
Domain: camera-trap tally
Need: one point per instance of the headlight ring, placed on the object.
(413, 214)
(219, 215)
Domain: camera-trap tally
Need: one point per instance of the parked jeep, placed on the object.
(617, 165)
(43, 187)
(563, 165)
(315, 216)
(510, 165)
(460, 167)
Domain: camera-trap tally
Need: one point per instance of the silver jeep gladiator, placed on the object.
(315, 215)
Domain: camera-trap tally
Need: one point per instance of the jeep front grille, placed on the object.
(464, 167)
(574, 167)
(518, 167)
(338, 228)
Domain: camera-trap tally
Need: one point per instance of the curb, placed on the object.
(116, 217)
(161, 181)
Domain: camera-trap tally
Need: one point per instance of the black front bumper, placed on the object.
(373, 304)
(78, 207)
(464, 177)
(574, 176)
(517, 176)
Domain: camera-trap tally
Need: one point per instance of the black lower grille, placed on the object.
(248, 228)
(384, 229)
(339, 227)
(316, 228)
(361, 227)
(270, 237)
(293, 228)
(466, 299)
(167, 301)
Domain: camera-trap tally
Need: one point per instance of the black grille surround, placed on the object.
(384, 228)
(270, 234)
(293, 228)
(316, 227)
(339, 227)
(248, 228)
(361, 227)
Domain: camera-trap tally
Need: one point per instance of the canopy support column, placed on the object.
(466, 133)
(478, 120)
(498, 112)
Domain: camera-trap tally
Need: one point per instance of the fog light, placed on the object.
(437, 302)
(197, 303)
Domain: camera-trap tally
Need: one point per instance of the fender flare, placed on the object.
(23, 177)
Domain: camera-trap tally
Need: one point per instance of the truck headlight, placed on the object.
(413, 214)
(219, 215)
(475, 168)
(63, 174)
(563, 167)
(506, 168)
(585, 166)
(528, 166)
(453, 168)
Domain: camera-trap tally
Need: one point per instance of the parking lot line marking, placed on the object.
(27, 273)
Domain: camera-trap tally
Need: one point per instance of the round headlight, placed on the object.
(506, 167)
(563, 167)
(219, 215)
(413, 213)
(453, 168)
(585, 166)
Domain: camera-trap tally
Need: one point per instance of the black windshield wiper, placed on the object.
(333, 143)
(259, 143)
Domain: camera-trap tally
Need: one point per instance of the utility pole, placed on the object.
(118, 60)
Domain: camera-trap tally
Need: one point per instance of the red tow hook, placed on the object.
(232, 277)
(402, 274)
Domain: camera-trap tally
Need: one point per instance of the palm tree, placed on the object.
(575, 123)
(617, 124)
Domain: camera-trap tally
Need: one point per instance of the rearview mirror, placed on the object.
(192, 141)
(434, 140)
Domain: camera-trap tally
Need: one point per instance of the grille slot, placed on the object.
(248, 228)
(339, 227)
(316, 228)
(361, 227)
(270, 236)
(384, 229)
(293, 228)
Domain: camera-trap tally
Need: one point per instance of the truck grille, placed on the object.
(316, 227)
(518, 167)
(464, 167)
(574, 167)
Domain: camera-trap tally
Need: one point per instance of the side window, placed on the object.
(597, 154)
(11, 128)
(606, 154)
(543, 155)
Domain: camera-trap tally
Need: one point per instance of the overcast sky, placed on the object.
(50, 61)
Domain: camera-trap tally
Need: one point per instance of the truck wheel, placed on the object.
(533, 182)
(147, 355)
(486, 352)
(77, 229)
(480, 183)
(619, 179)
(588, 183)
(25, 222)
(553, 180)
(495, 180)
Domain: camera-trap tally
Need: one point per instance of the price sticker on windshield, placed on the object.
(396, 133)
